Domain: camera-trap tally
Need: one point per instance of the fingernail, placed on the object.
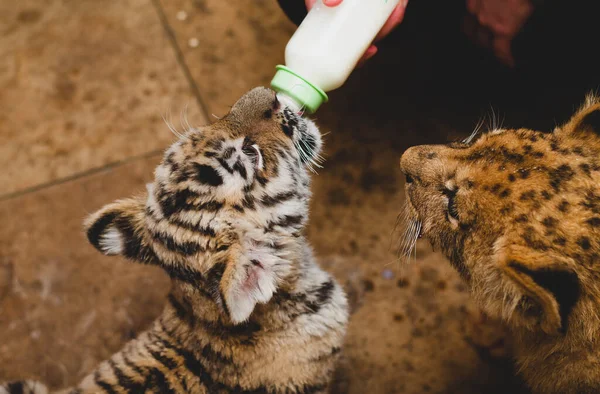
(371, 51)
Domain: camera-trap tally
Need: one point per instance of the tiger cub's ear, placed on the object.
(118, 229)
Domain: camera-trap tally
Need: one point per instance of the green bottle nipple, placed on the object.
(292, 85)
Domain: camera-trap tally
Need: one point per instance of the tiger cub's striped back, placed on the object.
(249, 311)
(24, 387)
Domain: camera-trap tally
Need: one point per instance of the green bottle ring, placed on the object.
(299, 89)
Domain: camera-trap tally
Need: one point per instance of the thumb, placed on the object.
(309, 4)
(332, 3)
(502, 50)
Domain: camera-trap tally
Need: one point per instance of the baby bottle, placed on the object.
(326, 48)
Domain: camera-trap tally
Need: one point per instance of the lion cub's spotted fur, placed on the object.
(250, 311)
(517, 212)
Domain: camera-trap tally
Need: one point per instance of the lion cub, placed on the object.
(517, 213)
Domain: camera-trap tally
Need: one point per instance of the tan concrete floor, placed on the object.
(83, 86)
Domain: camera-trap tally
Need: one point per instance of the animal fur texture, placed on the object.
(517, 213)
(250, 311)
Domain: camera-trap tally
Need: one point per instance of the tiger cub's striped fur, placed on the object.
(250, 311)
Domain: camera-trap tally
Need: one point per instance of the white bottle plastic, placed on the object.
(326, 48)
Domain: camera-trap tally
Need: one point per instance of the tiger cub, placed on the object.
(250, 311)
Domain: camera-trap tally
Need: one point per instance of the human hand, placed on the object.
(495, 23)
(394, 20)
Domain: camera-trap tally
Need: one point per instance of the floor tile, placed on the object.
(229, 47)
(63, 306)
(83, 84)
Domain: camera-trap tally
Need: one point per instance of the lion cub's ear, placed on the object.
(587, 119)
(546, 281)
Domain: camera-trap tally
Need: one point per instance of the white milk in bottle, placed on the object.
(326, 48)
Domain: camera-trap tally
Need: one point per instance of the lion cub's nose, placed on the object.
(417, 160)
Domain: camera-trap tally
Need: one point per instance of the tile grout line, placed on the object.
(79, 175)
(195, 91)
(181, 58)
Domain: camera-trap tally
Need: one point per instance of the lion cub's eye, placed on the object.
(451, 196)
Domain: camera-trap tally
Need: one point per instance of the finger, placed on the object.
(502, 28)
(309, 3)
(483, 18)
(394, 20)
(508, 21)
(473, 6)
(502, 50)
(371, 51)
(332, 3)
